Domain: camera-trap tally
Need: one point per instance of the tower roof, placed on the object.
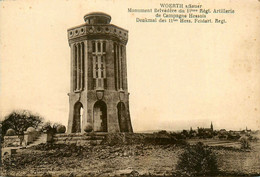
(97, 18)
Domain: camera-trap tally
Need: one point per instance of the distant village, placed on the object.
(204, 133)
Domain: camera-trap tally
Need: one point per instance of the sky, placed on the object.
(179, 75)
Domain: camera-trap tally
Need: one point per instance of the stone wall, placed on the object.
(113, 138)
(79, 139)
(11, 141)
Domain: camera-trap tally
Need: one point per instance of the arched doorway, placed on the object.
(100, 116)
(77, 117)
(122, 117)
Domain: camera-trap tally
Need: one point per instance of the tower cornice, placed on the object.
(104, 30)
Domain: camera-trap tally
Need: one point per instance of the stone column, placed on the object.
(71, 67)
(124, 70)
(120, 67)
(78, 60)
(85, 67)
(81, 65)
(117, 67)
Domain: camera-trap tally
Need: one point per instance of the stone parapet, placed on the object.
(11, 141)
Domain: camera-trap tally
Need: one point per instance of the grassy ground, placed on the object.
(120, 160)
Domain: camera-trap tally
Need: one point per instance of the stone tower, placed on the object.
(98, 86)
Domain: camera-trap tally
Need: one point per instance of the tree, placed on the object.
(20, 120)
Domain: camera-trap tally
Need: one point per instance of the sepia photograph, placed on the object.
(129, 88)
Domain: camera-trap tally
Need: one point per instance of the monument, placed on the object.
(99, 96)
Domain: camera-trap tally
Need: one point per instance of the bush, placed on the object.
(10, 132)
(114, 139)
(61, 129)
(88, 128)
(244, 143)
(197, 160)
(46, 127)
(162, 132)
(52, 128)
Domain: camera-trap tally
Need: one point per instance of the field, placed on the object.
(123, 160)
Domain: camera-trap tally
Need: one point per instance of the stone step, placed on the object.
(79, 142)
(55, 138)
(80, 134)
(40, 139)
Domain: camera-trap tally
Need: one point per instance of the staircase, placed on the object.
(13, 150)
(85, 139)
(40, 139)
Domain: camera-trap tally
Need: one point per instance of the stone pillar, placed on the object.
(81, 65)
(120, 67)
(117, 68)
(86, 48)
(77, 67)
(124, 69)
(71, 67)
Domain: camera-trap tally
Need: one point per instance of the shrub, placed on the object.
(244, 143)
(197, 160)
(61, 129)
(233, 137)
(46, 127)
(52, 128)
(114, 139)
(10, 132)
(162, 132)
(88, 128)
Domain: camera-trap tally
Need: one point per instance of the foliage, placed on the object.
(162, 132)
(233, 137)
(244, 143)
(19, 121)
(197, 160)
(160, 138)
(47, 126)
(52, 127)
(114, 139)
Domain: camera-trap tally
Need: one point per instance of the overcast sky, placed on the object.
(179, 75)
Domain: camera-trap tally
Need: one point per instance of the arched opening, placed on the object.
(100, 117)
(78, 116)
(122, 117)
